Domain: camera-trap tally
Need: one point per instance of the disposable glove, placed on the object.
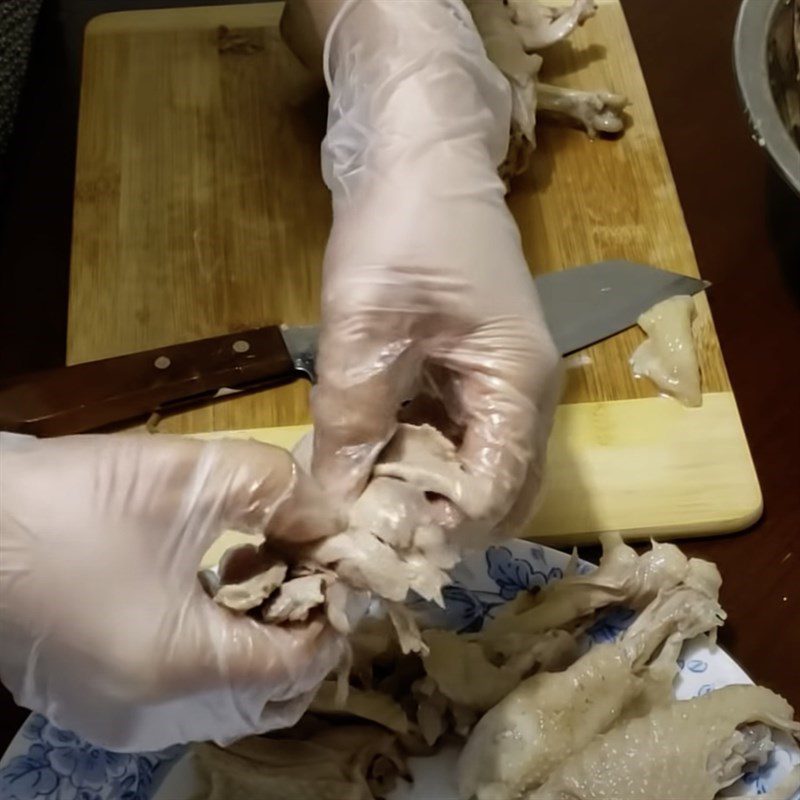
(425, 287)
(104, 626)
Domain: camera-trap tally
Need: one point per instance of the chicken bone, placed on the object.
(596, 112)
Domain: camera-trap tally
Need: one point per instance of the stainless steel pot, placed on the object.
(753, 51)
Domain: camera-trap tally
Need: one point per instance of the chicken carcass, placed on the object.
(495, 24)
(513, 32)
(366, 705)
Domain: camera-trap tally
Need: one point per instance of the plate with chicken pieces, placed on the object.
(539, 677)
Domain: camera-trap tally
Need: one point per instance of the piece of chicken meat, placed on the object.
(550, 716)
(668, 357)
(684, 750)
(397, 541)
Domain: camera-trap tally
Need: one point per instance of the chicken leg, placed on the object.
(597, 112)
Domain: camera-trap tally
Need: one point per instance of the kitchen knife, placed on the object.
(582, 305)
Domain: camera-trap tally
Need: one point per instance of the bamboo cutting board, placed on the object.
(199, 210)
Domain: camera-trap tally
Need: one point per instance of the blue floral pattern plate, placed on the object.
(46, 763)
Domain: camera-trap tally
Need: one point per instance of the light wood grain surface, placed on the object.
(609, 470)
(199, 204)
(199, 210)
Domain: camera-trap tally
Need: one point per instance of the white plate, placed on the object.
(44, 763)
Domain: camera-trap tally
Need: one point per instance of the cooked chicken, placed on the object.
(597, 112)
(541, 631)
(372, 641)
(544, 735)
(392, 510)
(369, 705)
(549, 716)
(463, 673)
(394, 544)
(405, 625)
(668, 355)
(431, 717)
(687, 750)
(363, 561)
(296, 599)
(252, 592)
(356, 762)
(422, 458)
(345, 606)
(512, 32)
(623, 578)
(542, 26)
(503, 44)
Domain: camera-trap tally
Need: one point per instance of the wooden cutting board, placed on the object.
(199, 210)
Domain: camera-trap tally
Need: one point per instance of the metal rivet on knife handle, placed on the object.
(162, 362)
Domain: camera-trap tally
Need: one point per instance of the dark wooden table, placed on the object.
(746, 230)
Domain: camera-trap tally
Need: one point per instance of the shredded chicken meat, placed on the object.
(538, 714)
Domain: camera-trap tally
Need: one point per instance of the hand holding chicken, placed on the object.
(105, 627)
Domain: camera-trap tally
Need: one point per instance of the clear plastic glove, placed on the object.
(104, 626)
(425, 283)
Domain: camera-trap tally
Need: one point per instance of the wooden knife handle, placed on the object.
(98, 394)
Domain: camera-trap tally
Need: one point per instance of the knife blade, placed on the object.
(582, 305)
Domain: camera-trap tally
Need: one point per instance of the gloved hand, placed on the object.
(104, 626)
(425, 283)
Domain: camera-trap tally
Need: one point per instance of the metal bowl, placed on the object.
(753, 53)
